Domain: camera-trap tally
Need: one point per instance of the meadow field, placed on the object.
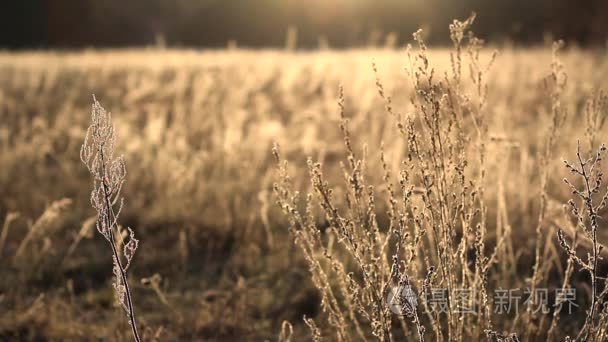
(448, 179)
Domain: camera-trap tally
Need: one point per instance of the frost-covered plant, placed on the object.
(587, 221)
(109, 174)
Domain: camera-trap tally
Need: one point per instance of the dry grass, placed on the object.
(434, 171)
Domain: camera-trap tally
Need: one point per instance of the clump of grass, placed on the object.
(45, 225)
(436, 217)
(109, 175)
(434, 231)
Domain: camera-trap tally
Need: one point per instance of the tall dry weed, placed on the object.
(109, 174)
(362, 240)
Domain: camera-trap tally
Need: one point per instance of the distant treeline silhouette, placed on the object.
(265, 23)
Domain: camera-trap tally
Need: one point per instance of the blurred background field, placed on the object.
(196, 129)
(200, 90)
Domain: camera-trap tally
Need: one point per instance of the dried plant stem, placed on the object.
(111, 222)
(559, 79)
(593, 217)
(588, 171)
(109, 175)
(565, 284)
(588, 200)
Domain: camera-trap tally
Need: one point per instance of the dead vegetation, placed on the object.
(438, 170)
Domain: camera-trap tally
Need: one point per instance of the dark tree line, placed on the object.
(256, 23)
